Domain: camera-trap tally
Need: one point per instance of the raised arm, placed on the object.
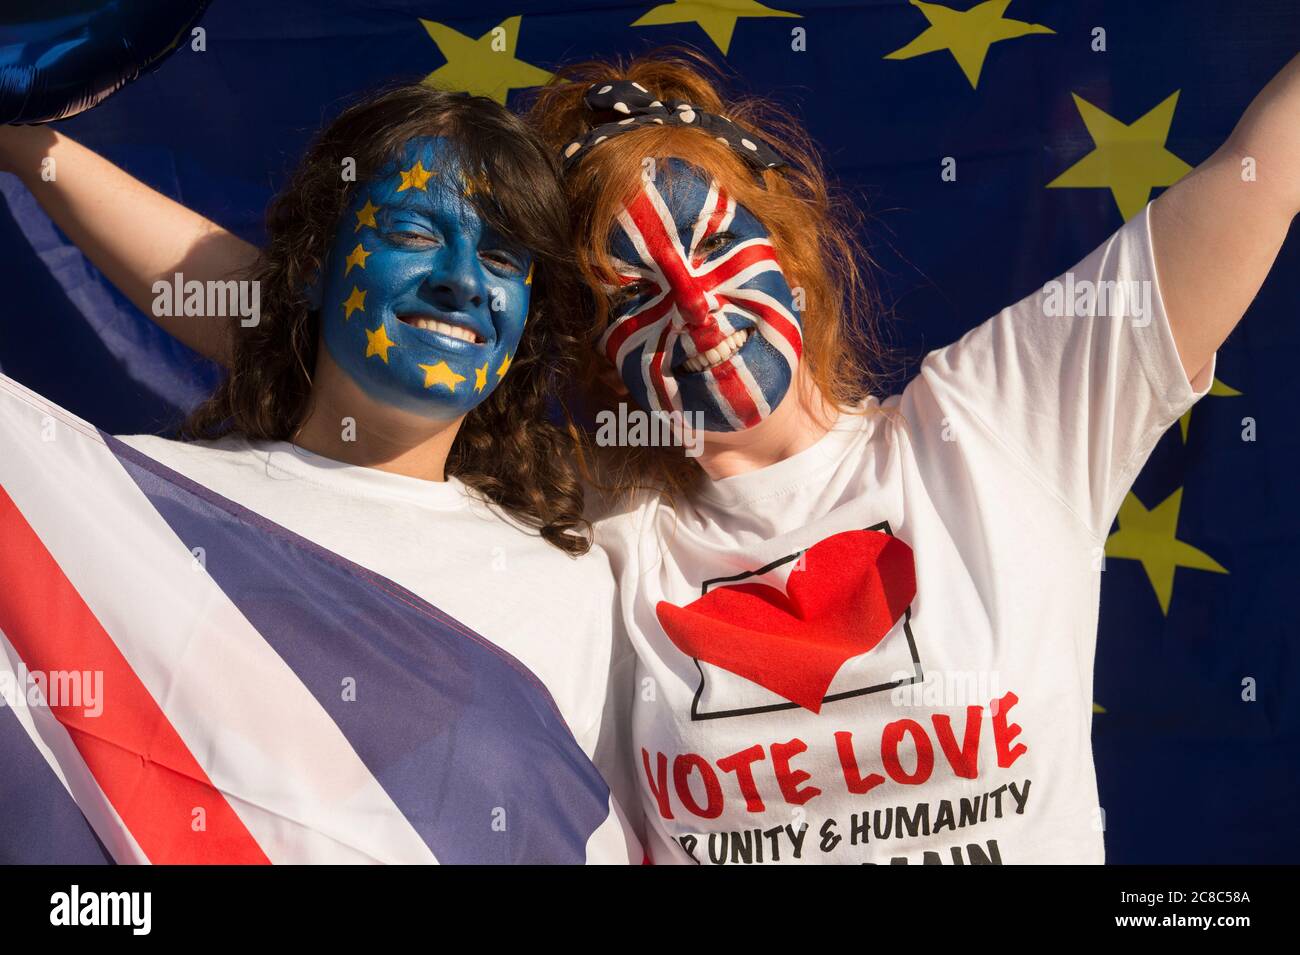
(1217, 231)
(135, 235)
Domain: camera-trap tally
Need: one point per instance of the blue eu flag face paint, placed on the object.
(702, 320)
(422, 302)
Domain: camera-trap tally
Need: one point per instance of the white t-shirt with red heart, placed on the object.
(881, 649)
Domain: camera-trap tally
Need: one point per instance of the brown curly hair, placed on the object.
(814, 229)
(516, 447)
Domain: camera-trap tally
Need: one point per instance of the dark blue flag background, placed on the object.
(1197, 725)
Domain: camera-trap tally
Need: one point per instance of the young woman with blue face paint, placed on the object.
(869, 620)
(389, 221)
(440, 298)
(391, 404)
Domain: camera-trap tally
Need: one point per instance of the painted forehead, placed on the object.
(426, 176)
(688, 197)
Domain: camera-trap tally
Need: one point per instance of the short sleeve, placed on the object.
(1077, 381)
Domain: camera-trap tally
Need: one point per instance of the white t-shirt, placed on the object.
(550, 611)
(820, 641)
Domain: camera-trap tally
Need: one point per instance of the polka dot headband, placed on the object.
(630, 105)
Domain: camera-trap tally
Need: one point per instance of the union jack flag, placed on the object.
(159, 709)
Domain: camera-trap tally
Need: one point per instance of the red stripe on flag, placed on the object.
(143, 766)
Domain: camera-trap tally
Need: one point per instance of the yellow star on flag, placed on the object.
(486, 66)
(966, 34)
(717, 18)
(441, 374)
(357, 258)
(378, 343)
(417, 177)
(1217, 390)
(504, 366)
(1129, 159)
(1150, 537)
(480, 378)
(366, 216)
(356, 302)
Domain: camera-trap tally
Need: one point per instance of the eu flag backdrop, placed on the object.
(1197, 714)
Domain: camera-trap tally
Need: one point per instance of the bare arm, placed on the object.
(1216, 232)
(134, 235)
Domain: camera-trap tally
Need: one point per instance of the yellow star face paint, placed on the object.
(441, 375)
(378, 343)
(365, 216)
(357, 258)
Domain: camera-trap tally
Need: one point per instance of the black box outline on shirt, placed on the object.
(917, 676)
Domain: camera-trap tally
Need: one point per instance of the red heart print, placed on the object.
(853, 588)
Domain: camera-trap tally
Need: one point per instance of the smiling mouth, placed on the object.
(459, 332)
(718, 354)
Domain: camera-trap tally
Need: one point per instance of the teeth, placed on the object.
(718, 353)
(452, 331)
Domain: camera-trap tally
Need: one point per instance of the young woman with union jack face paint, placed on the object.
(702, 319)
(731, 290)
(793, 591)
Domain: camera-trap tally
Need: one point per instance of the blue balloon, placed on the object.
(59, 57)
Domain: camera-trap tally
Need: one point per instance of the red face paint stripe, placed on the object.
(658, 242)
(628, 326)
(135, 754)
(727, 269)
(686, 291)
(772, 317)
(734, 389)
(715, 218)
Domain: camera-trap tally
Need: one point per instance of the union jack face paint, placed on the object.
(702, 320)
